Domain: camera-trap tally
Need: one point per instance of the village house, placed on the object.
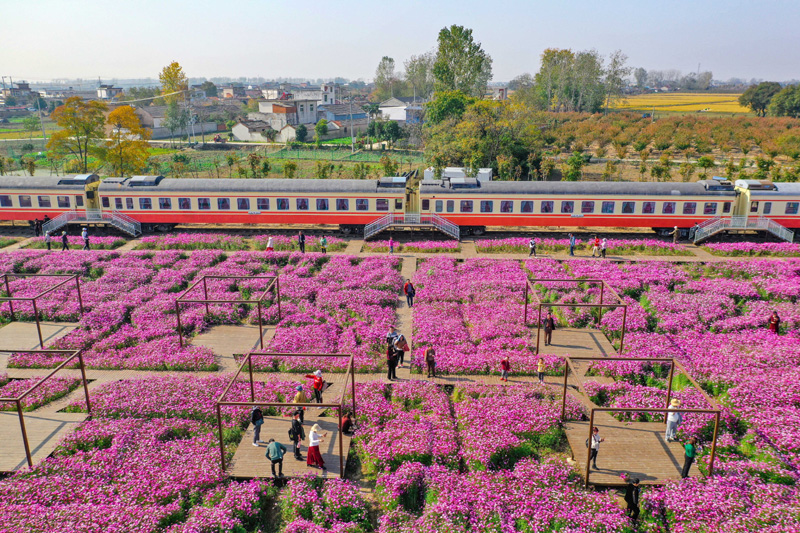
(253, 131)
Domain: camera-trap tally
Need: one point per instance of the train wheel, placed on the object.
(163, 228)
(347, 230)
(478, 230)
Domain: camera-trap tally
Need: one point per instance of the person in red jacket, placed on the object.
(505, 368)
(318, 386)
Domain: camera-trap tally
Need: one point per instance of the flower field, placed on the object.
(76, 241)
(461, 457)
(750, 249)
(221, 241)
(424, 247)
(519, 245)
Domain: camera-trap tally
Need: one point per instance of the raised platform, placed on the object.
(225, 341)
(577, 342)
(44, 433)
(23, 335)
(250, 461)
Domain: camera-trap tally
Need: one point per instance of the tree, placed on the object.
(266, 167)
(254, 160)
(289, 169)
(320, 129)
(640, 75)
(390, 166)
(686, 170)
(419, 74)
(80, 129)
(385, 78)
(616, 72)
(461, 64)
(231, 158)
(322, 169)
(573, 167)
(758, 97)
(209, 88)
(447, 104)
(786, 103)
(31, 123)
(173, 80)
(126, 148)
(391, 131)
(176, 118)
(300, 133)
(705, 162)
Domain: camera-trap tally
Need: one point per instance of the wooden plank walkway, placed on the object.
(226, 341)
(577, 342)
(44, 433)
(23, 335)
(250, 462)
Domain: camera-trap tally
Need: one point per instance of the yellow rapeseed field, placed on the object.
(683, 103)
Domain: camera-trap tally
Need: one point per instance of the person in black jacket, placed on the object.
(632, 497)
(257, 419)
(301, 241)
(297, 434)
(549, 326)
(64, 242)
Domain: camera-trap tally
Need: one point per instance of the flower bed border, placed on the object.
(248, 360)
(18, 399)
(181, 300)
(11, 298)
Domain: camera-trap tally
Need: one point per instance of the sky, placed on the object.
(49, 39)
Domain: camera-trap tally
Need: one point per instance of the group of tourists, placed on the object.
(301, 243)
(48, 238)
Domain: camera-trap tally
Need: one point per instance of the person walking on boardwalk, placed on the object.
(676, 234)
(37, 228)
(595, 445)
(297, 434)
(47, 239)
(400, 349)
(64, 242)
(391, 362)
(505, 369)
(391, 245)
(85, 237)
(430, 361)
(318, 386)
(693, 231)
(270, 244)
(391, 336)
(300, 397)
(603, 245)
(301, 241)
(689, 456)
(674, 418)
(323, 244)
(549, 326)
(532, 247)
(540, 369)
(275, 452)
(571, 244)
(774, 322)
(315, 437)
(257, 419)
(632, 497)
(410, 292)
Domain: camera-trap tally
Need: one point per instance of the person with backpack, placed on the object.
(430, 361)
(275, 452)
(532, 247)
(318, 386)
(410, 292)
(300, 397)
(595, 445)
(297, 434)
(257, 419)
(549, 326)
(400, 349)
(690, 452)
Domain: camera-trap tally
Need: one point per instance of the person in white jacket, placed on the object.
(270, 245)
(674, 419)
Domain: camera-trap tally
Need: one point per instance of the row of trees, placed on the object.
(699, 81)
(771, 98)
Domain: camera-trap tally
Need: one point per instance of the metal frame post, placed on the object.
(278, 292)
(10, 303)
(221, 440)
(341, 442)
(624, 322)
(85, 383)
(669, 387)
(526, 302)
(250, 370)
(180, 328)
(78, 287)
(38, 324)
(589, 449)
(714, 445)
(600, 308)
(564, 398)
(205, 294)
(260, 327)
(538, 329)
(24, 434)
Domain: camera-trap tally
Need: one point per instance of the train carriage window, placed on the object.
(689, 208)
(426, 205)
(628, 208)
(5, 200)
(439, 206)
(342, 204)
(547, 206)
(243, 204)
(754, 207)
(322, 204)
(44, 201)
(117, 203)
(63, 201)
(362, 204)
(710, 208)
(25, 200)
(506, 206)
(567, 206)
(608, 208)
(792, 208)
(262, 204)
(105, 202)
(767, 208)
(668, 208)
(726, 207)
(398, 204)
(283, 204)
(165, 203)
(79, 201)
(466, 206)
(587, 207)
(527, 206)
(145, 203)
(185, 203)
(648, 208)
(128, 203)
(301, 204)
(204, 204)
(223, 204)
(382, 204)
(487, 206)
(451, 206)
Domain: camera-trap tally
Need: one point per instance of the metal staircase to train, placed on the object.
(411, 220)
(717, 225)
(119, 220)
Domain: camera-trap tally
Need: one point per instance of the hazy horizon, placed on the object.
(248, 38)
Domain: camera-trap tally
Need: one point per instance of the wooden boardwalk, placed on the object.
(577, 342)
(23, 335)
(44, 432)
(250, 461)
(226, 341)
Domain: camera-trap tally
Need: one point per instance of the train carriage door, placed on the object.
(92, 196)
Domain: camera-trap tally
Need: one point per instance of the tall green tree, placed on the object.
(176, 118)
(786, 103)
(80, 129)
(461, 63)
(385, 78)
(615, 73)
(758, 97)
(447, 105)
(173, 80)
(300, 133)
(209, 88)
(419, 74)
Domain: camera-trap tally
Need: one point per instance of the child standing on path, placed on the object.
(540, 370)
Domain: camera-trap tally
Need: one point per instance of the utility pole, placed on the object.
(352, 131)
(41, 122)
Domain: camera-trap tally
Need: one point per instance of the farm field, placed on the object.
(461, 452)
(683, 103)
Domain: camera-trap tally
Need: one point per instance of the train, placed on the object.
(159, 203)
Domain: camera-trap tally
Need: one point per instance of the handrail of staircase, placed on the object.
(59, 221)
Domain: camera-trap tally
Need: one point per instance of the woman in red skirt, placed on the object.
(314, 458)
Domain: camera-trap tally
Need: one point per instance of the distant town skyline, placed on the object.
(264, 38)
